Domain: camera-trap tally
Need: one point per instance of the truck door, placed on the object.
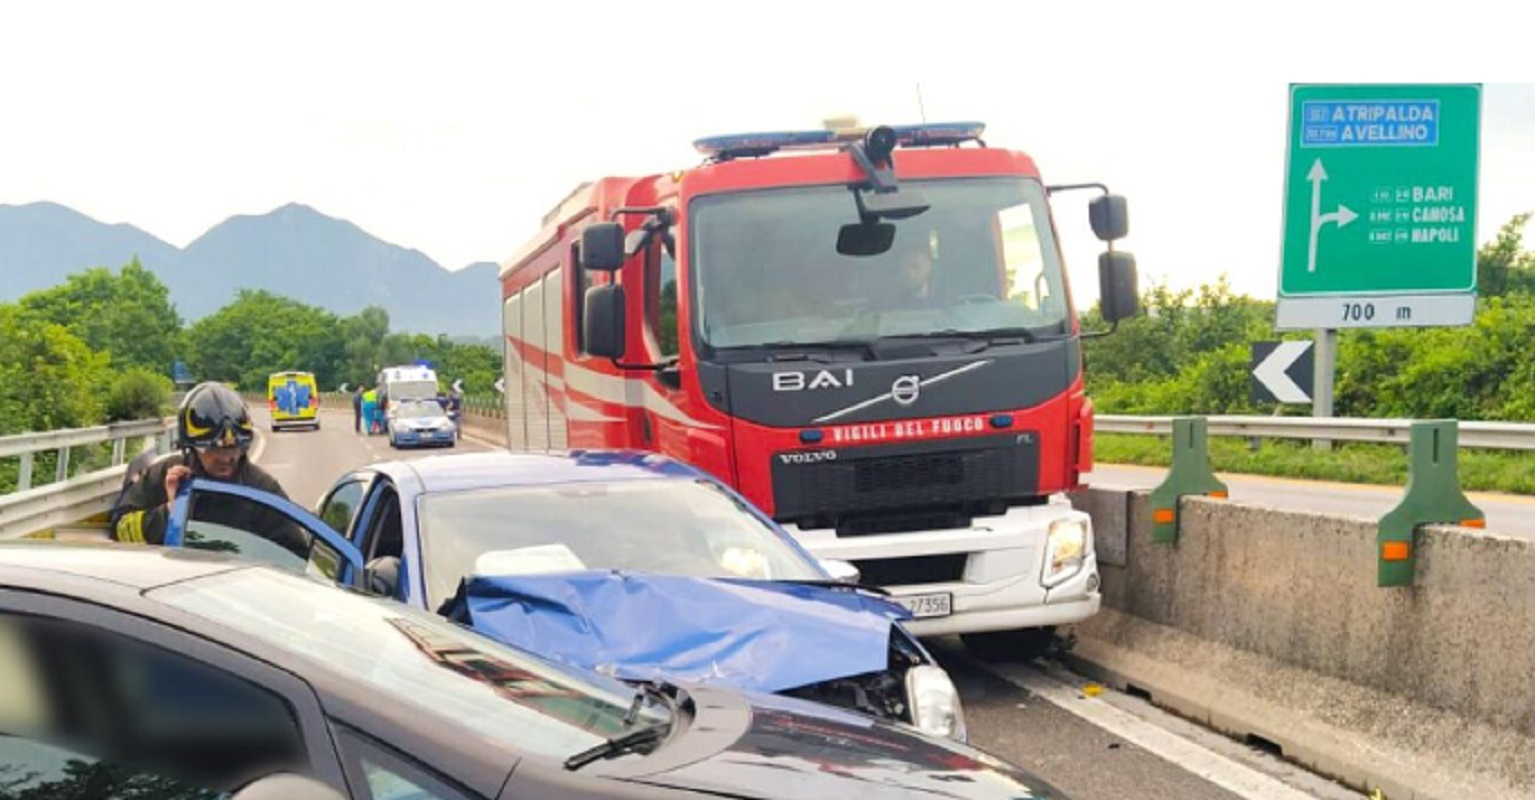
(663, 425)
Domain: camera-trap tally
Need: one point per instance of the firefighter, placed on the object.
(213, 432)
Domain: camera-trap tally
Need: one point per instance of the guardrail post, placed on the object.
(62, 473)
(118, 445)
(1433, 496)
(1190, 474)
(24, 477)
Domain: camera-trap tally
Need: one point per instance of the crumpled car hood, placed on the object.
(755, 635)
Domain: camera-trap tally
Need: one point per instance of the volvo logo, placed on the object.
(906, 389)
(808, 457)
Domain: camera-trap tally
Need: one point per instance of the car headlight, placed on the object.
(1066, 549)
(935, 708)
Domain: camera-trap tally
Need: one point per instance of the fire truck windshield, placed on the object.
(982, 258)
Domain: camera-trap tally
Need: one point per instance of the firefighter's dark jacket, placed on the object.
(141, 514)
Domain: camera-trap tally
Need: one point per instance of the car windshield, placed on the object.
(667, 526)
(982, 258)
(419, 408)
(432, 666)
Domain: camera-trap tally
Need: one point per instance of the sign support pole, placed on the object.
(1326, 364)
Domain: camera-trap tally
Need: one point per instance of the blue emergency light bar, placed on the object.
(745, 145)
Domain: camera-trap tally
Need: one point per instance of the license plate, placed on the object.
(928, 605)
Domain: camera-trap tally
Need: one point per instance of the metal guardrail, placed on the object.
(29, 509)
(1482, 435)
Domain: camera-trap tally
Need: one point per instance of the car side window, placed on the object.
(340, 507)
(177, 728)
(386, 531)
(386, 774)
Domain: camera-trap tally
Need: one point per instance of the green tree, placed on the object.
(1186, 353)
(138, 393)
(128, 316)
(261, 333)
(1503, 266)
(49, 379)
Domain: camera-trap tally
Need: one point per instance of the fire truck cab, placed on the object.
(868, 333)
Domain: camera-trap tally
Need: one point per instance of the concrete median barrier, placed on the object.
(1269, 625)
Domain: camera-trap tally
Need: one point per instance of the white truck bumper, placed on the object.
(987, 577)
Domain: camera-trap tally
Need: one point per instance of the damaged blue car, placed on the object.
(630, 564)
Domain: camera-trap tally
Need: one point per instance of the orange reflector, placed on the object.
(1396, 551)
(1473, 523)
(1163, 515)
(1218, 495)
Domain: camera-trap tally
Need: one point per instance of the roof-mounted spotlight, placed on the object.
(879, 143)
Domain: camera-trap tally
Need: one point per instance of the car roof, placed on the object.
(460, 471)
(135, 566)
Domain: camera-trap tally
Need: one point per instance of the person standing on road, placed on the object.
(357, 410)
(370, 410)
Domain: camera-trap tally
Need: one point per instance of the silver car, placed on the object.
(413, 423)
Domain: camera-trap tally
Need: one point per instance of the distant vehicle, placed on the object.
(634, 563)
(294, 399)
(416, 422)
(407, 383)
(137, 671)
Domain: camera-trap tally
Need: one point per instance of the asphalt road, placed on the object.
(1121, 748)
(306, 463)
(1508, 514)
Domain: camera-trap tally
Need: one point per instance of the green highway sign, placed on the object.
(1380, 206)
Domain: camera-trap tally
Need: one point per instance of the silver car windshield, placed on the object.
(665, 526)
(417, 659)
(418, 409)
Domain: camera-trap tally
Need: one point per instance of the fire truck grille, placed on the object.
(925, 475)
(946, 568)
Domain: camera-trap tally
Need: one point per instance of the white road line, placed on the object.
(259, 447)
(1207, 764)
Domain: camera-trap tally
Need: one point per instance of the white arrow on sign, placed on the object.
(458, 386)
(1271, 372)
(1342, 216)
(342, 389)
(501, 385)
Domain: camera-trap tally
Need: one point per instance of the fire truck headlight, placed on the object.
(935, 708)
(1066, 549)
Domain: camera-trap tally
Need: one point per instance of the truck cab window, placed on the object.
(661, 298)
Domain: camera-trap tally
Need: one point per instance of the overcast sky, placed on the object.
(452, 127)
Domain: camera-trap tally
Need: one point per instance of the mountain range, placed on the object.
(293, 251)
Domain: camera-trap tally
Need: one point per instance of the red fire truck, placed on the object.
(868, 333)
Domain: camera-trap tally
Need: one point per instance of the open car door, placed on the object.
(227, 517)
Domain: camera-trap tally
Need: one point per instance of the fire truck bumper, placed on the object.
(992, 576)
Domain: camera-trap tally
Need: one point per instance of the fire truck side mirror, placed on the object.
(602, 321)
(1110, 217)
(1118, 294)
(602, 246)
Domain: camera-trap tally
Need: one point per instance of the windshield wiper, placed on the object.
(804, 351)
(636, 738)
(619, 745)
(830, 583)
(990, 337)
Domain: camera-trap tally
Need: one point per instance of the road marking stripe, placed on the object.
(1209, 765)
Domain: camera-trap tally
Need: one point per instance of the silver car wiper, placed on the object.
(618, 745)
